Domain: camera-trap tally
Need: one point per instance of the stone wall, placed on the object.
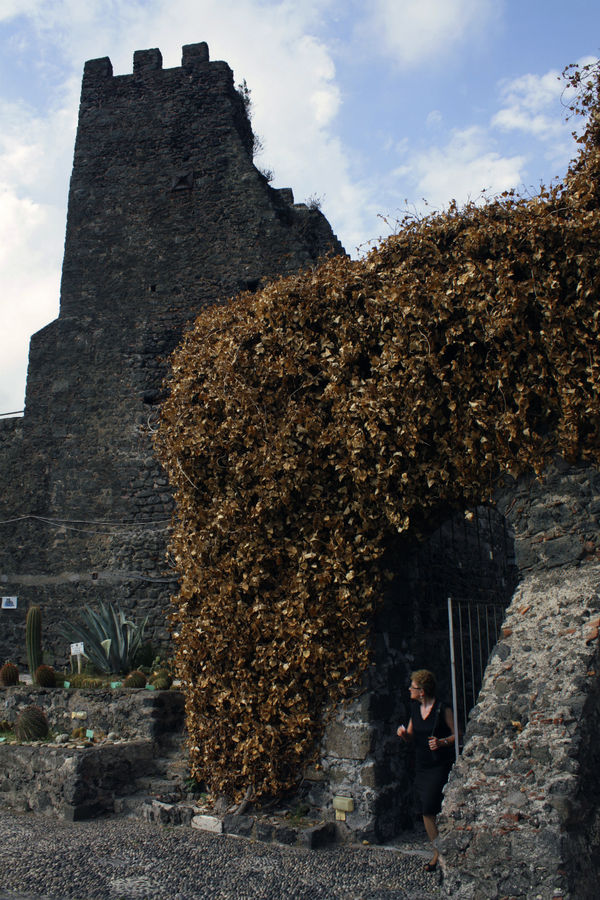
(79, 782)
(521, 811)
(73, 782)
(12, 505)
(127, 712)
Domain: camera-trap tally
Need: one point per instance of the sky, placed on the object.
(375, 108)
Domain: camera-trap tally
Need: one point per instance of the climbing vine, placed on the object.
(309, 423)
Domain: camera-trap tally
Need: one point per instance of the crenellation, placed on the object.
(147, 60)
(97, 69)
(194, 55)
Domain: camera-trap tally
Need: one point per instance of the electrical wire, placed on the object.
(70, 524)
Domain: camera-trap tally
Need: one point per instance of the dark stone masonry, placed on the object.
(167, 214)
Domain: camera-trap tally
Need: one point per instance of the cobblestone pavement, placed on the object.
(124, 859)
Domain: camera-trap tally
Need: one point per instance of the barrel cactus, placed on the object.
(45, 677)
(9, 674)
(161, 679)
(89, 682)
(32, 724)
(135, 679)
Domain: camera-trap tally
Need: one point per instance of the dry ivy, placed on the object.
(310, 422)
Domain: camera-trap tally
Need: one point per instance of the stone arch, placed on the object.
(521, 810)
(470, 556)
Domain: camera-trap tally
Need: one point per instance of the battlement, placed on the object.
(194, 56)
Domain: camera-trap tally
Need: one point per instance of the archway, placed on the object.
(469, 557)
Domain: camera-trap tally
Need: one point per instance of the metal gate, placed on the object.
(474, 629)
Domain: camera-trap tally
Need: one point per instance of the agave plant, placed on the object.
(110, 639)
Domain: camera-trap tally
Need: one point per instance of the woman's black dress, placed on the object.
(432, 767)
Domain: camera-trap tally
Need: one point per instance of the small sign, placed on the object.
(9, 602)
(77, 649)
(67, 684)
(150, 687)
(116, 684)
(89, 734)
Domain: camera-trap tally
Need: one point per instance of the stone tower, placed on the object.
(167, 214)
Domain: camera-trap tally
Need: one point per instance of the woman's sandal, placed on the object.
(430, 866)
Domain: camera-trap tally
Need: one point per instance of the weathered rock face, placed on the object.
(520, 815)
(167, 213)
(521, 811)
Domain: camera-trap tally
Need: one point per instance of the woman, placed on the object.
(431, 727)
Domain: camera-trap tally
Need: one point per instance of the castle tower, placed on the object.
(167, 214)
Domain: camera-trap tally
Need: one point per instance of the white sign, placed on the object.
(9, 603)
(77, 649)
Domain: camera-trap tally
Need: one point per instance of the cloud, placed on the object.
(416, 32)
(532, 105)
(34, 156)
(464, 169)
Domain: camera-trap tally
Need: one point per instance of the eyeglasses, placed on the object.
(414, 687)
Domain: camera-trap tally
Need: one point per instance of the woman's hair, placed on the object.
(426, 680)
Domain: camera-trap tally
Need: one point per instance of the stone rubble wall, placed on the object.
(78, 782)
(522, 803)
(73, 782)
(521, 812)
(129, 713)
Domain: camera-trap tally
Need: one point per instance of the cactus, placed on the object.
(32, 724)
(164, 677)
(45, 677)
(9, 674)
(135, 679)
(33, 639)
(82, 680)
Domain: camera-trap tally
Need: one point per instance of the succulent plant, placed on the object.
(111, 640)
(45, 677)
(33, 639)
(9, 674)
(82, 680)
(162, 675)
(135, 679)
(31, 724)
